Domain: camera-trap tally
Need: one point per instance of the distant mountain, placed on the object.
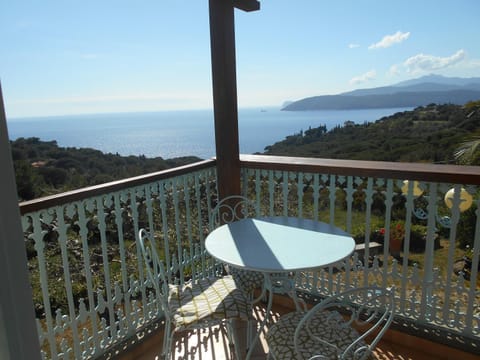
(286, 103)
(439, 79)
(411, 93)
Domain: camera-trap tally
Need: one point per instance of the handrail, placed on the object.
(84, 193)
(379, 169)
(411, 171)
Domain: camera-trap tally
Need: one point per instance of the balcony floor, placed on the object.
(213, 344)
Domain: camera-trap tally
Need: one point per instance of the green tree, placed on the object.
(468, 153)
(27, 180)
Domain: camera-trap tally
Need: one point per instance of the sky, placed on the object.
(75, 57)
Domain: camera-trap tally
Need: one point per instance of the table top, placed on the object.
(278, 244)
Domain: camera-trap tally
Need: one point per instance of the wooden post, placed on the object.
(222, 42)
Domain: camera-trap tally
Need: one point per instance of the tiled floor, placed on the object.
(206, 344)
(212, 344)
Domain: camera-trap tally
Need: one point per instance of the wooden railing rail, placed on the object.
(379, 169)
(92, 191)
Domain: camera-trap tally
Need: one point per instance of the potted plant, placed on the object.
(397, 234)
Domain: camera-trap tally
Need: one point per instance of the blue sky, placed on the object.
(73, 57)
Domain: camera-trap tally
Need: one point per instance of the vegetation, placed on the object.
(43, 168)
(434, 133)
(430, 133)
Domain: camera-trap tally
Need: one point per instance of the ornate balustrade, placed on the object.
(435, 271)
(91, 294)
(90, 291)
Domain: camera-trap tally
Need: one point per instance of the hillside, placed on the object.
(427, 134)
(412, 93)
(43, 168)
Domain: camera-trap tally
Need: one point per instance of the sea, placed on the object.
(170, 134)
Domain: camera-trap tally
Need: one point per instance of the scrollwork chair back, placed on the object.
(345, 326)
(230, 209)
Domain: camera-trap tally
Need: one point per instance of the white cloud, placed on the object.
(422, 62)
(353, 46)
(471, 63)
(393, 71)
(389, 40)
(369, 75)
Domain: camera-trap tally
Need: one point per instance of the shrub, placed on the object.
(466, 228)
(418, 235)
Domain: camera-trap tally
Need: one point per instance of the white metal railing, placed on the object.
(88, 279)
(434, 285)
(91, 294)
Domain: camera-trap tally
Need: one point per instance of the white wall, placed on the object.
(18, 333)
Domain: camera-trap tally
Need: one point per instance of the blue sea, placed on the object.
(172, 134)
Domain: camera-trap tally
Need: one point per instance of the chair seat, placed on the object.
(327, 325)
(247, 280)
(209, 299)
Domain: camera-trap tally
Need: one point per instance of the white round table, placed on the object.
(279, 244)
(274, 245)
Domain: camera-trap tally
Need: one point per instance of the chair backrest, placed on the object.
(154, 267)
(230, 209)
(368, 310)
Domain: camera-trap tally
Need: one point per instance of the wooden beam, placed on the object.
(247, 5)
(222, 42)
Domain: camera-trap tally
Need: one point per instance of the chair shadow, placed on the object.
(211, 343)
(205, 343)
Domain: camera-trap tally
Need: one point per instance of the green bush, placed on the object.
(418, 234)
(466, 228)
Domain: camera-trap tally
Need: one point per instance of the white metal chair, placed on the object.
(228, 210)
(235, 208)
(196, 304)
(345, 326)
